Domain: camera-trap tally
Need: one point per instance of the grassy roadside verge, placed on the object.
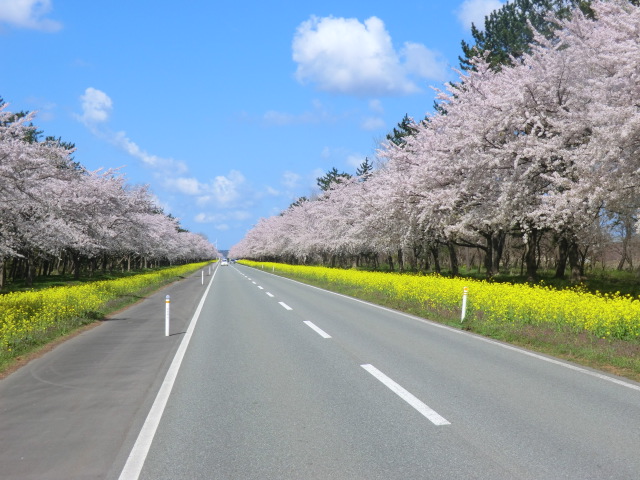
(32, 323)
(616, 356)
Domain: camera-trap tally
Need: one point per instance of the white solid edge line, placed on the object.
(429, 413)
(138, 454)
(317, 329)
(560, 363)
(285, 306)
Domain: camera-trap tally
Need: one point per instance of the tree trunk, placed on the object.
(582, 259)
(414, 259)
(563, 254)
(453, 259)
(16, 265)
(400, 260)
(626, 258)
(574, 262)
(29, 272)
(390, 262)
(76, 266)
(435, 253)
(530, 255)
(64, 265)
(497, 243)
(627, 223)
(488, 254)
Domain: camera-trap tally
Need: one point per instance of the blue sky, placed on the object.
(228, 110)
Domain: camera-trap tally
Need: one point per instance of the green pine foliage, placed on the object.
(507, 31)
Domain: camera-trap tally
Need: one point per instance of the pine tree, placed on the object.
(365, 169)
(332, 176)
(507, 32)
(405, 128)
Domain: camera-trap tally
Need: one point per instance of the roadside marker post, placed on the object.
(202, 281)
(166, 316)
(465, 293)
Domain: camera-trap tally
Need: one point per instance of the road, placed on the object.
(266, 378)
(286, 381)
(75, 412)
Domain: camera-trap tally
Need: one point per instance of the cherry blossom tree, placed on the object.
(53, 208)
(547, 146)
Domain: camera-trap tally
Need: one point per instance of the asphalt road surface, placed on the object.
(75, 412)
(272, 379)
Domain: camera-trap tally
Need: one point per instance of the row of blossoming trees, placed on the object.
(55, 216)
(548, 148)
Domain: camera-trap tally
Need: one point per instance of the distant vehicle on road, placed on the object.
(224, 262)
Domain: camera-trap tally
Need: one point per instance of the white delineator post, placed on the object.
(202, 281)
(465, 292)
(166, 316)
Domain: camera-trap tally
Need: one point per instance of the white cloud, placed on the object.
(226, 189)
(187, 186)
(315, 174)
(96, 110)
(223, 191)
(220, 221)
(274, 117)
(423, 62)
(375, 105)
(474, 11)
(355, 160)
(238, 215)
(272, 191)
(44, 108)
(96, 107)
(343, 55)
(372, 123)
(290, 179)
(120, 139)
(28, 14)
(316, 115)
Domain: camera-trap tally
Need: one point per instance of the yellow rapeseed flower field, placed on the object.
(25, 317)
(607, 316)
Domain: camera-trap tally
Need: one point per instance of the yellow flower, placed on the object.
(606, 316)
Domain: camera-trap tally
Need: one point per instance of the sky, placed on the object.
(229, 111)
